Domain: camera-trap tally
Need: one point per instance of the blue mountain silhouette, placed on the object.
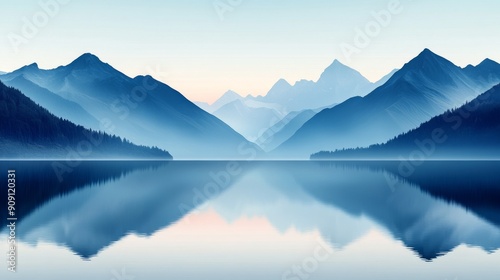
(142, 109)
(28, 131)
(471, 131)
(425, 87)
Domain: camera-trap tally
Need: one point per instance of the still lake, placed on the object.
(254, 220)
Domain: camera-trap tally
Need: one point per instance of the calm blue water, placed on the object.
(254, 220)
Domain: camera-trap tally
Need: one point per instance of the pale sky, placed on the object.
(249, 44)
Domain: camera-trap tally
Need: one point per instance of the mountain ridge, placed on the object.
(142, 109)
(426, 86)
(28, 131)
(470, 131)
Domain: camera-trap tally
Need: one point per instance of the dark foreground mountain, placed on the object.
(28, 131)
(469, 132)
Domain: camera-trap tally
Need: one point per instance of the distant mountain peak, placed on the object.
(337, 62)
(426, 54)
(140, 77)
(31, 66)
(280, 85)
(87, 60)
(338, 72)
(427, 51)
(88, 57)
(337, 65)
(28, 68)
(281, 82)
(230, 95)
(487, 68)
(280, 88)
(426, 64)
(303, 82)
(488, 62)
(430, 63)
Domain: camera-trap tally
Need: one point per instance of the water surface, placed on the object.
(256, 220)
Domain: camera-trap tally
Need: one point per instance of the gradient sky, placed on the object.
(187, 45)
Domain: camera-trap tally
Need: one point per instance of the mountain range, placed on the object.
(425, 87)
(228, 97)
(254, 117)
(471, 131)
(341, 110)
(92, 93)
(336, 84)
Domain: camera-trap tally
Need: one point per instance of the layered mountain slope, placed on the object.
(247, 114)
(28, 131)
(425, 87)
(141, 109)
(249, 118)
(335, 85)
(284, 129)
(54, 103)
(469, 132)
